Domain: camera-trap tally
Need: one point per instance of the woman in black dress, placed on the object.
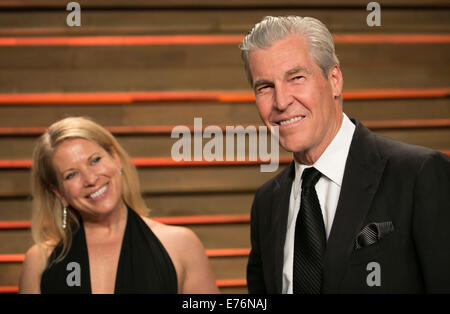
(89, 223)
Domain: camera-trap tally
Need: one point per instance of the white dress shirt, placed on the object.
(332, 165)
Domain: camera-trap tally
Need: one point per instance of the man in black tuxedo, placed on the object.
(355, 212)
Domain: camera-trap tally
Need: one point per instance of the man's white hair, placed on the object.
(271, 29)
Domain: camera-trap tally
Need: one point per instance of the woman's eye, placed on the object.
(70, 176)
(96, 160)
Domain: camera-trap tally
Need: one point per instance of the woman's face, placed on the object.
(89, 178)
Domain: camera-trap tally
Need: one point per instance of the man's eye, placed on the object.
(264, 87)
(298, 77)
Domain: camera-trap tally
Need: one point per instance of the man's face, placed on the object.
(292, 93)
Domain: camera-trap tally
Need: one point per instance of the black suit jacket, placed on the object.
(384, 180)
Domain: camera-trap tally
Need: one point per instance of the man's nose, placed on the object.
(282, 98)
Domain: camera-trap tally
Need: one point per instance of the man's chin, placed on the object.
(293, 147)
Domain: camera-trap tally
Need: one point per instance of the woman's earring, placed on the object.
(64, 220)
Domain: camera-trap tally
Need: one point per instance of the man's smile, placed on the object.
(289, 121)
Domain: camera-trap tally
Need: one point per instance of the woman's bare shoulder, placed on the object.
(32, 268)
(38, 254)
(175, 235)
(187, 249)
(33, 254)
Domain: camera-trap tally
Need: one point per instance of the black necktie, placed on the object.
(310, 238)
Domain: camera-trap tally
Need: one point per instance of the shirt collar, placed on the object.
(332, 161)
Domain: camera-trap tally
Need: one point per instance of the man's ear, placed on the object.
(59, 196)
(336, 80)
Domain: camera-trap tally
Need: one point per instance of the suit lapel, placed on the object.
(363, 171)
(280, 205)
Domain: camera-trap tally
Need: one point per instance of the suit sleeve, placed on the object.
(431, 222)
(255, 275)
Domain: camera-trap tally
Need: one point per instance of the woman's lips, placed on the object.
(100, 193)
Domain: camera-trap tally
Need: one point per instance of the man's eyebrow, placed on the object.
(297, 69)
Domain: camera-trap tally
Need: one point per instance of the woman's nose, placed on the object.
(89, 178)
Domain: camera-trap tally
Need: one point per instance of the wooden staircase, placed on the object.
(142, 67)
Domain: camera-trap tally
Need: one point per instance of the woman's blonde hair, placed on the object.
(47, 208)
